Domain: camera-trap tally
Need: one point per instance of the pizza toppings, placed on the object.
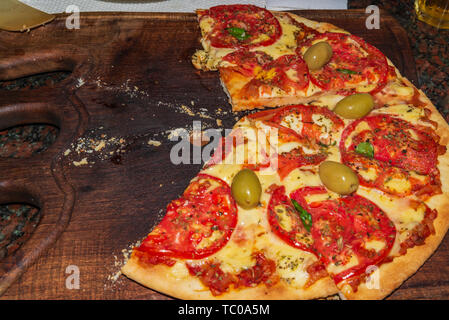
(316, 125)
(350, 233)
(238, 33)
(287, 223)
(303, 133)
(246, 189)
(287, 73)
(306, 218)
(338, 178)
(290, 71)
(237, 26)
(196, 225)
(418, 235)
(355, 106)
(365, 149)
(318, 55)
(247, 62)
(392, 154)
(219, 282)
(354, 66)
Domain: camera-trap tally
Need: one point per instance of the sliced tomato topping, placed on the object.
(305, 32)
(247, 62)
(349, 230)
(353, 63)
(197, 224)
(242, 26)
(399, 148)
(288, 71)
(285, 221)
(301, 124)
(225, 146)
(310, 117)
(297, 157)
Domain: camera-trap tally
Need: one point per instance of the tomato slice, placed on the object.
(301, 124)
(285, 221)
(247, 61)
(399, 147)
(196, 225)
(310, 116)
(297, 157)
(260, 26)
(344, 228)
(353, 62)
(290, 71)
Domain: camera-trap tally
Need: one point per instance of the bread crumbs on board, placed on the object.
(119, 261)
(154, 143)
(94, 145)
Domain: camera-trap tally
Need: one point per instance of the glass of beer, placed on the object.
(433, 12)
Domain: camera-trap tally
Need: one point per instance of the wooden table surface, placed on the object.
(104, 184)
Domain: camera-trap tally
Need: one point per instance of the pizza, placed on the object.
(263, 61)
(339, 187)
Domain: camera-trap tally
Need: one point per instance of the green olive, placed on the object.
(318, 55)
(246, 189)
(338, 178)
(355, 106)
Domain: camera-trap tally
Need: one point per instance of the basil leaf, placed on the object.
(347, 71)
(238, 33)
(306, 217)
(366, 149)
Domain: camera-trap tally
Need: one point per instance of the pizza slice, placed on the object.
(212, 246)
(271, 59)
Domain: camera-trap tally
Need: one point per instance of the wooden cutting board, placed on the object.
(105, 182)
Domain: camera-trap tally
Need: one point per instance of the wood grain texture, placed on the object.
(131, 73)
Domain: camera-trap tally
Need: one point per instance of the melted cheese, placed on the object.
(366, 87)
(287, 146)
(329, 101)
(369, 174)
(284, 218)
(291, 263)
(406, 112)
(375, 245)
(216, 235)
(179, 270)
(206, 25)
(362, 126)
(398, 210)
(400, 185)
(293, 121)
(336, 269)
(299, 178)
(234, 257)
(401, 90)
(286, 43)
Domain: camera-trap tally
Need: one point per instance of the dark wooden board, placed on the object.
(131, 72)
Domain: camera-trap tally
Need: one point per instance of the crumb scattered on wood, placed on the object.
(154, 143)
(94, 145)
(114, 278)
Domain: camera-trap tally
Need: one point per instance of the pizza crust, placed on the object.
(158, 278)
